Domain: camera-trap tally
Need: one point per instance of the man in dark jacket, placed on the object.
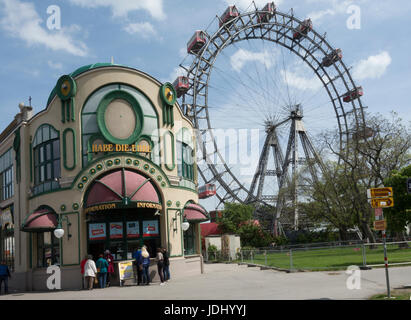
(139, 266)
(4, 276)
(166, 267)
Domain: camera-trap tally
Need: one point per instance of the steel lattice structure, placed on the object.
(311, 48)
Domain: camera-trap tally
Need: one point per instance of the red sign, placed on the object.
(378, 213)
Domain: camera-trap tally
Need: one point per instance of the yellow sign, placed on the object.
(125, 270)
(120, 148)
(382, 202)
(380, 192)
(380, 225)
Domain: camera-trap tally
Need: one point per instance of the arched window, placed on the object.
(46, 157)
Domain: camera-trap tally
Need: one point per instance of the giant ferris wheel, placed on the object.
(269, 70)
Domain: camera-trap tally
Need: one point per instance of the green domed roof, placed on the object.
(82, 70)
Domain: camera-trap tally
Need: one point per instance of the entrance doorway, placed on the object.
(122, 231)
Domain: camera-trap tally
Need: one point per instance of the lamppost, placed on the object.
(59, 231)
(185, 225)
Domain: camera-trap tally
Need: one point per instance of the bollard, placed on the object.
(242, 258)
(291, 259)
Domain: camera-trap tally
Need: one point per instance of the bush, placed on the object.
(280, 240)
(253, 236)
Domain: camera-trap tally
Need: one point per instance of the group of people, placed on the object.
(97, 272)
(142, 262)
(100, 272)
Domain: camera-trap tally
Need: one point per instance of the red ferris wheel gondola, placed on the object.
(206, 191)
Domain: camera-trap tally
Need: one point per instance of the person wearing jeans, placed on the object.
(102, 267)
(4, 276)
(166, 267)
(145, 261)
(160, 265)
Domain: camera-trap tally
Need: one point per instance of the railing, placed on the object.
(326, 257)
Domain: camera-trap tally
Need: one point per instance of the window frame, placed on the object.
(41, 250)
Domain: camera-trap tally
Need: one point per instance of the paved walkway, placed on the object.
(234, 282)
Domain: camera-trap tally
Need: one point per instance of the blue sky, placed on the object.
(151, 35)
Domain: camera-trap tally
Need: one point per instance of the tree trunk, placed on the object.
(401, 237)
(343, 233)
(368, 233)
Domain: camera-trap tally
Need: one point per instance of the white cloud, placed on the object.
(373, 67)
(241, 57)
(244, 4)
(295, 80)
(55, 65)
(337, 7)
(121, 8)
(21, 20)
(144, 29)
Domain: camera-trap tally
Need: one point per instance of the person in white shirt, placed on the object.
(90, 272)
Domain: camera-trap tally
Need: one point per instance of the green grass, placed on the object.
(395, 295)
(331, 259)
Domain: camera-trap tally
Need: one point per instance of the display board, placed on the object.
(150, 228)
(97, 231)
(116, 230)
(133, 229)
(125, 270)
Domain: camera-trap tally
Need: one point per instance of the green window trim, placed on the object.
(65, 149)
(42, 147)
(6, 175)
(104, 103)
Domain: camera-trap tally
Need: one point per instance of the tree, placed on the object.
(340, 194)
(234, 214)
(397, 217)
(237, 218)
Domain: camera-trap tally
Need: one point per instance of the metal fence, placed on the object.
(329, 257)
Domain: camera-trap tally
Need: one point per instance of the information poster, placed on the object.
(116, 230)
(125, 270)
(150, 228)
(133, 229)
(97, 231)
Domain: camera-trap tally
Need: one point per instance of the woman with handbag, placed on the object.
(90, 272)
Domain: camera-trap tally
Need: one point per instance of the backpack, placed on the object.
(165, 258)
